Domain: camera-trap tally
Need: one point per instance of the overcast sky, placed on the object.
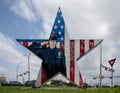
(85, 19)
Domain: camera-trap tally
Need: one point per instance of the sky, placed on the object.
(85, 19)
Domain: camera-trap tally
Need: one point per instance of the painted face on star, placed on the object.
(52, 43)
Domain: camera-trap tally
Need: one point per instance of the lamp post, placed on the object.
(17, 70)
(28, 58)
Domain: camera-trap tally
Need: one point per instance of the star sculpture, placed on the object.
(73, 50)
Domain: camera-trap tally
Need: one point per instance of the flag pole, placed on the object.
(100, 65)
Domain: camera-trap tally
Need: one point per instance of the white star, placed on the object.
(59, 32)
(61, 26)
(61, 38)
(58, 21)
(55, 27)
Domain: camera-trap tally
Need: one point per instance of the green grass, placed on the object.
(8, 89)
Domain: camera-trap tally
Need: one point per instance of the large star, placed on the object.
(73, 49)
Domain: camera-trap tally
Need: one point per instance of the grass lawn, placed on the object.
(11, 89)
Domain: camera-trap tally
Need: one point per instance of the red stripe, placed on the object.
(62, 46)
(82, 52)
(82, 47)
(81, 83)
(44, 46)
(91, 44)
(34, 42)
(43, 77)
(25, 44)
(72, 60)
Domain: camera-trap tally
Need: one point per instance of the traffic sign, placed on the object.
(112, 61)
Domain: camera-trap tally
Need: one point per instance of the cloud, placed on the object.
(8, 49)
(24, 9)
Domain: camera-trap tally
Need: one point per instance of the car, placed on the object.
(30, 83)
(15, 83)
(5, 83)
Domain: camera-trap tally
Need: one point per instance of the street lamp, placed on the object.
(28, 57)
(17, 70)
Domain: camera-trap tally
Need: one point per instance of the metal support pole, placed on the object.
(17, 73)
(17, 70)
(112, 76)
(29, 67)
(100, 65)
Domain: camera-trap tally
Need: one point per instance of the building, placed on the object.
(2, 79)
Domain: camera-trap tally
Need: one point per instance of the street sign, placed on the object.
(112, 61)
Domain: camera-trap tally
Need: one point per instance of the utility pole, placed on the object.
(112, 76)
(28, 59)
(29, 67)
(100, 65)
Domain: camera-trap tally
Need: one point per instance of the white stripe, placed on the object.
(86, 45)
(29, 43)
(67, 53)
(77, 54)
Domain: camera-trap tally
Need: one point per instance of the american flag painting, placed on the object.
(73, 49)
